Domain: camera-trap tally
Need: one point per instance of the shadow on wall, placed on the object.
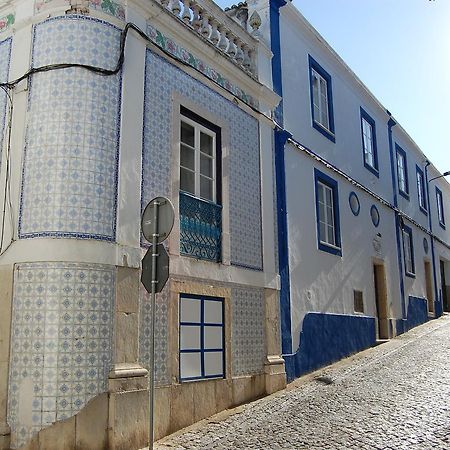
(417, 314)
(326, 338)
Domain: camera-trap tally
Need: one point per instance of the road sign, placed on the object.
(162, 269)
(162, 225)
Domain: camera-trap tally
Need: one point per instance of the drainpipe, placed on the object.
(398, 222)
(280, 138)
(438, 307)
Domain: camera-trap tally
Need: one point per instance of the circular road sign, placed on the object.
(163, 218)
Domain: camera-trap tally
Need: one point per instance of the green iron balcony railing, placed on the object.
(200, 228)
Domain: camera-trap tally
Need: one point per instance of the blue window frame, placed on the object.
(440, 207)
(202, 337)
(327, 213)
(402, 172)
(321, 95)
(421, 193)
(369, 142)
(408, 251)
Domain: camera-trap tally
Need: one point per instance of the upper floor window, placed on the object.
(421, 189)
(402, 172)
(197, 160)
(321, 100)
(440, 207)
(327, 213)
(200, 187)
(369, 142)
(408, 251)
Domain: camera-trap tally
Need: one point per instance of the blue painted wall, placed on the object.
(326, 338)
(417, 314)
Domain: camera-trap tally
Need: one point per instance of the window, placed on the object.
(197, 160)
(358, 302)
(200, 188)
(327, 213)
(408, 251)
(402, 172)
(321, 99)
(420, 179)
(440, 207)
(369, 142)
(202, 337)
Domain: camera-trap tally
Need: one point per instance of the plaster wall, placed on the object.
(322, 282)
(297, 42)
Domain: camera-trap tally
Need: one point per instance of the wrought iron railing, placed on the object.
(200, 228)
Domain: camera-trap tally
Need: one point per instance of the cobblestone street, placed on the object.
(394, 396)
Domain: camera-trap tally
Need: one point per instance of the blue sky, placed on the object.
(400, 49)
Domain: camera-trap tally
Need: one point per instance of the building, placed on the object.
(364, 252)
(102, 118)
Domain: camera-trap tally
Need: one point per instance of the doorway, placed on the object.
(381, 300)
(429, 287)
(445, 290)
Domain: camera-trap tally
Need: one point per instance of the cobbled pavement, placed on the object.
(394, 396)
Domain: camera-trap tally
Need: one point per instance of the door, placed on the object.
(429, 287)
(381, 301)
(445, 293)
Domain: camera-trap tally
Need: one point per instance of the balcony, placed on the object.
(200, 228)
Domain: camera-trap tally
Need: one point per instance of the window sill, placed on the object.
(442, 225)
(410, 275)
(423, 210)
(329, 248)
(404, 194)
(325, 131)
(372, 169)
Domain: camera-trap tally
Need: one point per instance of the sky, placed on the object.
(400, 49)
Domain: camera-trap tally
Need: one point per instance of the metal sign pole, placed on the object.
(153, 306)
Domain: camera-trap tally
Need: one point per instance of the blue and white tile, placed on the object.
(162, 79)
(51, 349)
(5, 57)
(69, 186)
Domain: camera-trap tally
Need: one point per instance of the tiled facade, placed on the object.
(61, 342)
(5, 52)
(162, 360)
(248, 331)
(161, 81)
(111, 7)
(72, 133)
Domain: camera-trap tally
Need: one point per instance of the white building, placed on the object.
(364, 253)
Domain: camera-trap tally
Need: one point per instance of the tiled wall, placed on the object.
(61, 342)
(71, 156)
(5, 53)
(162, 372)
(248, 331)
(111, 7)
(161, 80)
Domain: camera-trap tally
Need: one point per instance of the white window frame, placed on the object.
(420, 189)
(197, 158)
(368, 147)
(440, 207)
(408, 252)
(329, 219)
(322, 90)
(401, 172)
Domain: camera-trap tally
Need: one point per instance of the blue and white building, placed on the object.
(363, 244)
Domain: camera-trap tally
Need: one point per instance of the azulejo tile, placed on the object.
(162, 79)
(248, 336)
(111, 7)
(7, 21)
(70, 168)
(68, 366)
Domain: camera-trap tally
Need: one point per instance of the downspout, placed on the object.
(438, 307)
(398, 222)
(280, 138)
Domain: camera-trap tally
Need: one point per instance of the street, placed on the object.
(393, 396)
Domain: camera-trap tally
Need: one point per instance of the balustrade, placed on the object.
(211, 22)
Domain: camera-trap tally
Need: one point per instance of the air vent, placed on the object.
(358, 301)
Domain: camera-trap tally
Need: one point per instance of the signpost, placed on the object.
(156, 224)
